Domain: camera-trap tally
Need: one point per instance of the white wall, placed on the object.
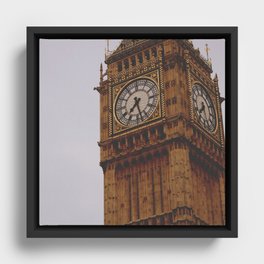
(15, 16)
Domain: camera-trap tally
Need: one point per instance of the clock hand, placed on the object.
(132, 108)
(205, 116)
(202, 108)
(139, 112)
(135, 104)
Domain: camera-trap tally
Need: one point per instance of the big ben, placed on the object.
(162, 139)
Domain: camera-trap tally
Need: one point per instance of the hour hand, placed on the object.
(132, 109)
(202, 108)
(135, 104)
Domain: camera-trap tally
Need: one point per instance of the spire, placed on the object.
(101, 73)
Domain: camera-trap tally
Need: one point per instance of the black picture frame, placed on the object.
(231, 61)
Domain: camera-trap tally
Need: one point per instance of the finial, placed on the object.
(207, 51)
(107, 50)
(216, 78)
(107, 45)
(101, 73)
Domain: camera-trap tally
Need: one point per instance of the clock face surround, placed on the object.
(204, 107)
(137, 102)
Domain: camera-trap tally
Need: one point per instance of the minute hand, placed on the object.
(139, 112)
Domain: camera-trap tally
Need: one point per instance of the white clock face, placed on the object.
(137, 102)
(204, 107)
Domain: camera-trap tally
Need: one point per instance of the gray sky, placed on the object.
(71, 181)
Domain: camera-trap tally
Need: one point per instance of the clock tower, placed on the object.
(161, 136)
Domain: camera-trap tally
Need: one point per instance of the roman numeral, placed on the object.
(144, 85)
(137, 117)
(129, 119)
(151, 86)
(151, 105)
(144, 113)
(128, 90)
(152, 96)
(120, 108)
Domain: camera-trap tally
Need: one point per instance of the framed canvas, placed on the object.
(132, 132)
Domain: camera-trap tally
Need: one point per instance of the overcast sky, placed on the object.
(71, 181)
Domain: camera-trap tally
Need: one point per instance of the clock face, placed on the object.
(204, 107)
(137, 102)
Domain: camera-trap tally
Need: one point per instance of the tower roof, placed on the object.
(130, 46)
(125, 44)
